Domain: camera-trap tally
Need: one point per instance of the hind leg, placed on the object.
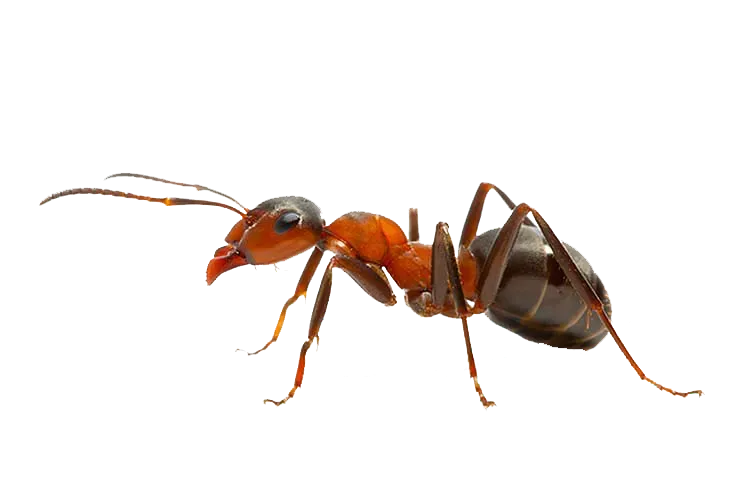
(491, 275)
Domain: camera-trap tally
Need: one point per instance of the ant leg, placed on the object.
(497, 258)
(475, 212)
(304, 281)
(367, 277)
(413, 225)
(493, 269)
(445, 275)
(319, 310)
(373, 288)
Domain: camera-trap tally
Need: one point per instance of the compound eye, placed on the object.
(285, 222)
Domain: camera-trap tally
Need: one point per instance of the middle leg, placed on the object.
(445, 277)
(413, 224)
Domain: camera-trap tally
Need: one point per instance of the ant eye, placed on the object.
(285, 222)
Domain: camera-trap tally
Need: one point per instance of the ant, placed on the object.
(521, 274)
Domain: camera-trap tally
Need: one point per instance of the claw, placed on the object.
(277, 403)
(317, 342)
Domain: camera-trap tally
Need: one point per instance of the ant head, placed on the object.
(275, 230)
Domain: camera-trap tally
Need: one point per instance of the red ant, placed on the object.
(521, 275)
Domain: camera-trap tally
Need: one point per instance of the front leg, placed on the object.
(445, 277)
(300, 291)
(369, 277)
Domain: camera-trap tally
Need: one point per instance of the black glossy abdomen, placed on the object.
(536, 301)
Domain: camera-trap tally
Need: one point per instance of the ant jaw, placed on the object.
(225, 258)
